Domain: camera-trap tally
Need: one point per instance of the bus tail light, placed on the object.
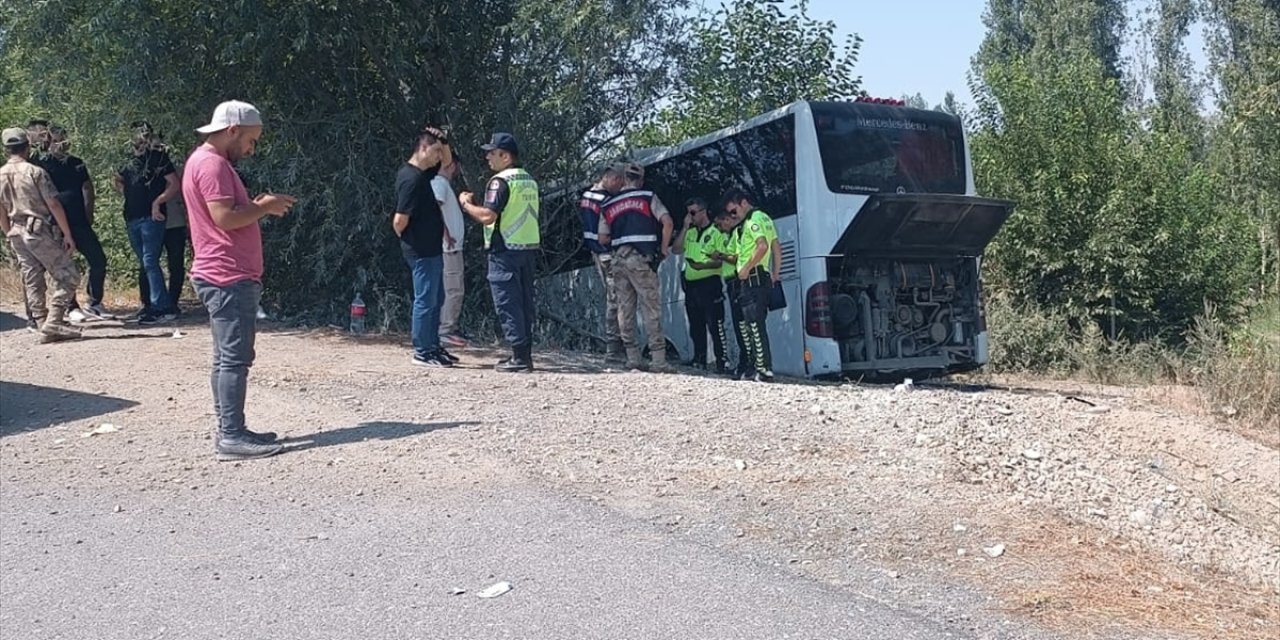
(817, 311)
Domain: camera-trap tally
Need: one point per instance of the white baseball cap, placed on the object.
(233, 113)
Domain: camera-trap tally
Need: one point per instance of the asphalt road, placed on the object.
(262, 566)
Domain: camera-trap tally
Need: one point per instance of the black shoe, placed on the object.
(244, 448)
(148, 319)
(266, 437)
(434, 360)
(444, 353)
(521, 360)
(764, 376)
(514, 365)
(749, 374)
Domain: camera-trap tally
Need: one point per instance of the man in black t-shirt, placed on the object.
(75, 191)
(419, 223)
(149, 181)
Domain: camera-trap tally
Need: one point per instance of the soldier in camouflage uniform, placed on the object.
(35, 225)
(638, 227)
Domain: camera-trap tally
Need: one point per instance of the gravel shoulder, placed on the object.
(1040, 511)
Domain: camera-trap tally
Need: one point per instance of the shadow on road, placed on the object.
(11, 322)
(369, 431)
(27, 407)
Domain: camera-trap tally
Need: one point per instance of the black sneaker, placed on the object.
(266, 437)
(433, 360)
(764, 376)
(444, 353)
(148, 319)
(242, 448)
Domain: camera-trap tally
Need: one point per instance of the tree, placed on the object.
(1116, 224)
(344, 87)
(1245, 58)
(746, 59)
(915, 102)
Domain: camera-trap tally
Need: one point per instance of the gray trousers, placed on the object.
(233, 316)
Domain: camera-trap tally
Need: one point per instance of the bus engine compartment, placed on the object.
(903, 292)
(922, 316)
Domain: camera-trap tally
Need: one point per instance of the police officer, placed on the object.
(703, 291)
(636, 224)
(510, 218)
(610, 182)
(757, 259)
(29, 211)
(726, 252)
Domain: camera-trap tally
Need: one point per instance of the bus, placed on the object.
(880, 226)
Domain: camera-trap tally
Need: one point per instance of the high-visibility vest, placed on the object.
(757, 225)
(517, 223)
(697, 244)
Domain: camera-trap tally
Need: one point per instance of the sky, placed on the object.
(924, 46)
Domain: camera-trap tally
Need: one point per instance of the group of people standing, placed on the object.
(428, 219)
(47, 188)
(733, 251)
(47, 212)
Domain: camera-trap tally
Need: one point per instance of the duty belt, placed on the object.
(758, 278)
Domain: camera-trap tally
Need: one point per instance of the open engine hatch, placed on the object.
(924, 225)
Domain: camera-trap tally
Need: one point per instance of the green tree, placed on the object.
(746, 59)
(1116, 223)
(1245, 59)
(344, 87)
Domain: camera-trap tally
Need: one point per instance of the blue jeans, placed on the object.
(233, 315)
(147, 237)
(428, 294)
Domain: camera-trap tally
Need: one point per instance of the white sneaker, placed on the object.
(76, 315)
(262, 315)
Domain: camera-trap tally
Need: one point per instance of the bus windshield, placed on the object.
(869, 148)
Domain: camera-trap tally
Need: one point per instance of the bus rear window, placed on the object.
(881, 149)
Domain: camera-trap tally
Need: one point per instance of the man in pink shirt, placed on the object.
(227, 271)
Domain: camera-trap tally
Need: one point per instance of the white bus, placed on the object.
(880, 228)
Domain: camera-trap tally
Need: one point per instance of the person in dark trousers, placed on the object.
(148, 182)
(757, 261)
(511, 235)
(727, 224)
(703, 286)
(71, 178)
(419, 223)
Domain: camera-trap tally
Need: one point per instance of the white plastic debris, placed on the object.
(994, 551)
(740, 464)
(178, 335)
(1004, 411)
(495, 590)
(101, 429)
(1032, 454)
(907, 385)
(457, 591)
